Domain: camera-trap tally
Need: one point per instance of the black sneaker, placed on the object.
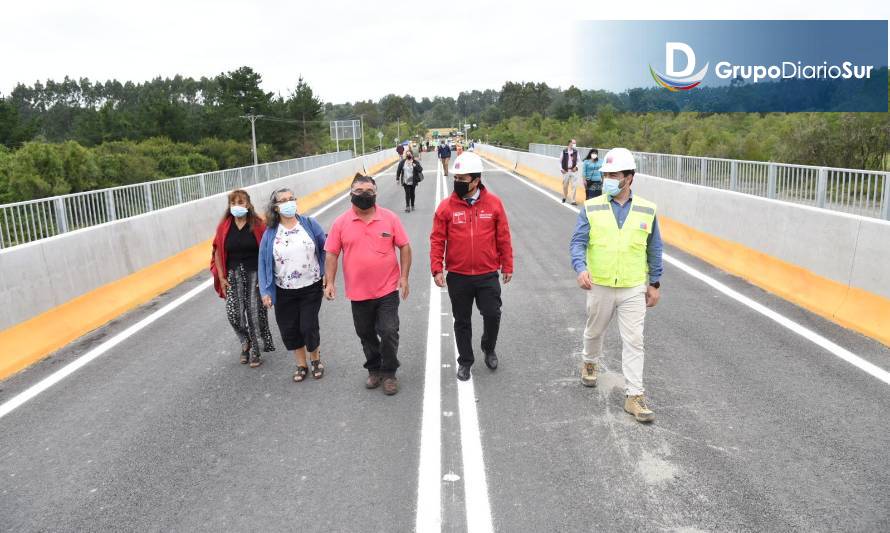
(463, 372)
(491, 360)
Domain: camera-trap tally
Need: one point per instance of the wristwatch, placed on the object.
(656, 285)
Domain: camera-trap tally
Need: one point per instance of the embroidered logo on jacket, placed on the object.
(459, 217)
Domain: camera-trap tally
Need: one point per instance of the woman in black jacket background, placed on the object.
(409, 175)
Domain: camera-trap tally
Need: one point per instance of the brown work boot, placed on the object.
(390, 385)
(588, 374)
(373, 381)
(636, 406)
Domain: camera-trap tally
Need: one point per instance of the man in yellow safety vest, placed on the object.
(616, 252)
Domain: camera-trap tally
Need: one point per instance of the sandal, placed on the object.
(245, 354)
(300, 374)
(317, 369)
(255, 361)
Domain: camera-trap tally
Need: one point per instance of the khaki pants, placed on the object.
(630, 306)
(569, 181)
(445, 164)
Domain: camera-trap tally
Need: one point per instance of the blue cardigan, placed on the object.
(266, 270)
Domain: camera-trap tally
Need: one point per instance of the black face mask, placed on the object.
(462, 188)
(364, 201)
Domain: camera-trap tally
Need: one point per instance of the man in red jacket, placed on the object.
(471, 238)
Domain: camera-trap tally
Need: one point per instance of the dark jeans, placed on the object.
(409, 194)
(485, 289)
(593, 189)
(296, 312)
(377, 326)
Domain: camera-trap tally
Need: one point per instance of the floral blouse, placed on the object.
(296, 264)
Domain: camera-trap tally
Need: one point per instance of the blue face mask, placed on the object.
(238, 211)
(611, 187)
(288, 209)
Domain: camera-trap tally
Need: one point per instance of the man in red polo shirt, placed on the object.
(471, 233)
(368, 236)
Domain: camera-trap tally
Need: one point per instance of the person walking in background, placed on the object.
(471, 240)
(444, 155)
(593, 179)
(291, 266)
(234, 265)
(569, 167)
(409, 173)
(401, 151)
(368, 235)
(616, 251)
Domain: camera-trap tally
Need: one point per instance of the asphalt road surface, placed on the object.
(757, 429)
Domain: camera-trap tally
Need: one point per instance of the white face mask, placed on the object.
(572, 146)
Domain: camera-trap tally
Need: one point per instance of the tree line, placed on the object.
(78, 134)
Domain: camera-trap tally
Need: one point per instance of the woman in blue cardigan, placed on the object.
(291, 270)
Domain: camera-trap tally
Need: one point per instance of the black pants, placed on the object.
(485, 289)
(409, 194)
(296, 312)
(377, 326)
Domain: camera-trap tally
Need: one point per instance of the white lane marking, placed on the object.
(429, 486)
(72, 367)
(810, 335)
(475, 485)
(804, 332)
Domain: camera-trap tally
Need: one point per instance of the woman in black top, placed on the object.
(235, 251)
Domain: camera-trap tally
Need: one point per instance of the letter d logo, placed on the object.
(682, 80)
(669, 50)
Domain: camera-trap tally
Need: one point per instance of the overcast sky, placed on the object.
(346, 50)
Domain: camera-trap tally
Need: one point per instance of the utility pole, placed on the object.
(362, 119)
(399, 128)
(252, 118)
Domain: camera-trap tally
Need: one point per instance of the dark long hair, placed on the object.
(251, 212)
(272, 216)
(591, 152)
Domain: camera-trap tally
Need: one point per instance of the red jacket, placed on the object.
(219, 243)
(477, 237)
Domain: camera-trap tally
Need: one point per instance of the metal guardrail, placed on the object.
(860, 192)
(32, 220)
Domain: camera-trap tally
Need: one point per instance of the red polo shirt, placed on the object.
(370, 266)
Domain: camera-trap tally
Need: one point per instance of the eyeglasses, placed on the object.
(284, 201)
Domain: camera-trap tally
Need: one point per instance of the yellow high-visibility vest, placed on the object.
(617, 257)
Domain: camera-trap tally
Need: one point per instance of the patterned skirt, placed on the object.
(244, 308)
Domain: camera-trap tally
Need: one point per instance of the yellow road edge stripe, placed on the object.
(856, 309)
(36, 338)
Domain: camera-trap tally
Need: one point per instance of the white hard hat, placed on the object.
(467, 163)
(618, 159)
